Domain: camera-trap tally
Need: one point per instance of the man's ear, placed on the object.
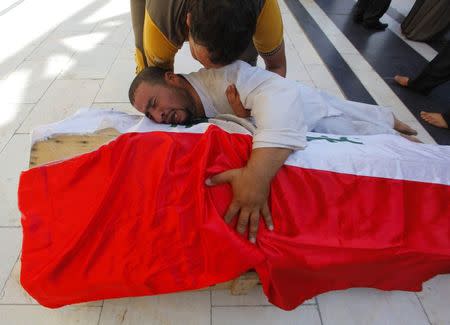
(171, 78)
(188, 20)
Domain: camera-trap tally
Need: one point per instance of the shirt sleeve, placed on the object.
(278, 117)
(269, 29)
(158, 50)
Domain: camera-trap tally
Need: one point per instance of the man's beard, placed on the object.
(189, 108)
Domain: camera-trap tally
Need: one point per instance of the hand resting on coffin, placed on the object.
(251, 186)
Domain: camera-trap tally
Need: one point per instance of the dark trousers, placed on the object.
(446, 117)
(370, 11)
(435, 73)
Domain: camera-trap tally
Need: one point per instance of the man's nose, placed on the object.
(157, 114)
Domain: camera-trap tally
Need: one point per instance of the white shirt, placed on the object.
(274, 102)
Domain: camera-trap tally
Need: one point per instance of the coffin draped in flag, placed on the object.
(135, 218)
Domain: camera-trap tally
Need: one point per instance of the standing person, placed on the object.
(426, 19)
(219, 32)
(435, 73)
(369, 12)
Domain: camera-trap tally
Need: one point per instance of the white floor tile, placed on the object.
(11, 116)
(29, 82)
(128, 48)
(92, 64)
(357, 62)
(307, 315)
(53, 46)
(37, 315)
(13, 293)
(179, 308)
(116, 84)
(295, 68)
(10, 243)
(13, 159)
(402, 6)
(435, 298)
(342, 44)
(322, 78)
(61, 100)
(10, 61)
(369, 306)
(116, 29)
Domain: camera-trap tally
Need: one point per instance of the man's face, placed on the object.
(164, 103)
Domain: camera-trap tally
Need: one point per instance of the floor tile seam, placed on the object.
(319, 311)
(259, 305)
(30, 54)
(311, 64)
(10, 272)
(210, 308)
(299, 58)
(100, 314)
(107, 74)
(40, 98)
(358, 72)
(316, 54)
(120, 47)
(423, 308)
(301, 10)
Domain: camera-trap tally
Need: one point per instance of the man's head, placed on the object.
(161, 96)
(220, 30)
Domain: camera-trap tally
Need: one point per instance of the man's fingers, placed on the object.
(242, 221)
(233, 209)
(267, 217)
(221, 178)
(253, 228)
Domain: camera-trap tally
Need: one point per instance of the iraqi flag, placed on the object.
(134, 218)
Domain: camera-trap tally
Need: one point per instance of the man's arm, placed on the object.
(251, 186)
(277, 61)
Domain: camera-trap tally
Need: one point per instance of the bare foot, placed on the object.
(435, 119)
(411, 138)
(402, 80)
(403, 127)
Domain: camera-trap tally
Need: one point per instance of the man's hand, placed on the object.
(251, 186)
(234, 99)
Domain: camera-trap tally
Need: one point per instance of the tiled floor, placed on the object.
(80, 54)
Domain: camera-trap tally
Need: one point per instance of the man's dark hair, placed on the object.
(224, 27)
(151, 75)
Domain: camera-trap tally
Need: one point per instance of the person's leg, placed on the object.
(403, 127)
(137, 8)
(374, 12)
(435, 73)
(361, 118)
(440, 120)
(359, 9)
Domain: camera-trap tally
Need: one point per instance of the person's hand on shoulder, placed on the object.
(234, 100)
